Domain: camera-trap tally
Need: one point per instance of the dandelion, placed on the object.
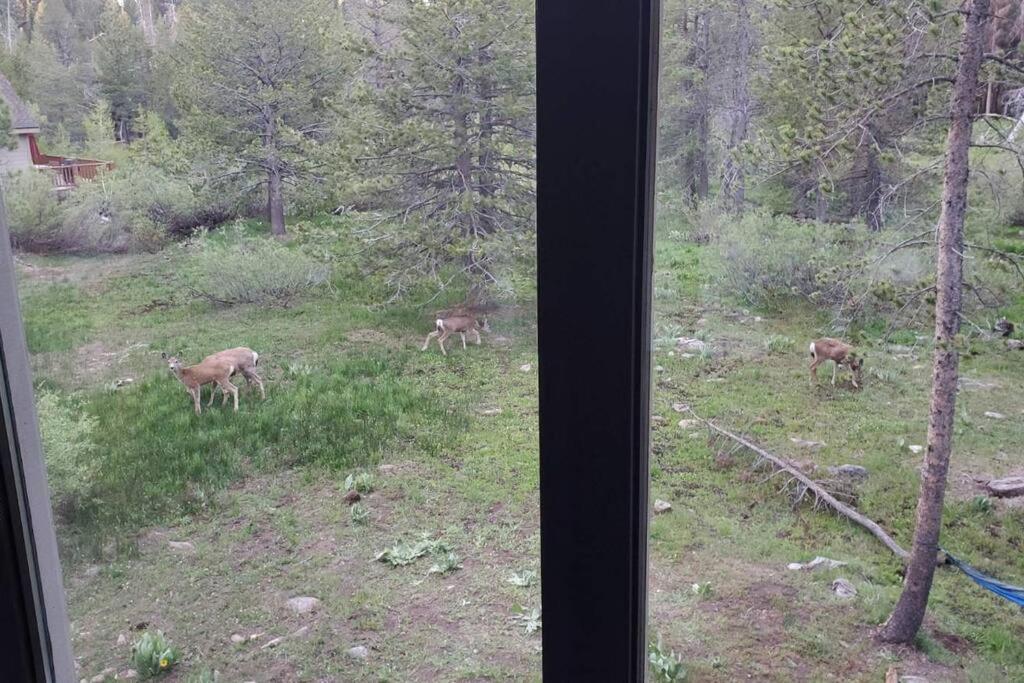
(164, 663)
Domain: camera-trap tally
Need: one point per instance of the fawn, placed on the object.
(212, 370)
(839, 353)
(245, 361)
(460, 323)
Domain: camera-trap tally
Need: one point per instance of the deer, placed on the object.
(213, 370)
(245, 361)
(839, 353)
(461, 322)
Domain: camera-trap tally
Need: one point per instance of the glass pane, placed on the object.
(800, 177)
(276, 266)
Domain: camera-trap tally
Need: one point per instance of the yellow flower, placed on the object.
(164, 663)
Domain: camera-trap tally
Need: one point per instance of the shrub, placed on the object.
(33, 211)
(768, 260)
(70, 452)
(129, 209)
(237, 268)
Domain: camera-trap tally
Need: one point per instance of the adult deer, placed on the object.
(212, 370)
(839, 353)
(245, 361)
(461, 323)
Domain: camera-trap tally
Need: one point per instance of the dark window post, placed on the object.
(596, 97)
(35, 643)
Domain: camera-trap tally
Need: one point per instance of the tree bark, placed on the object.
(734, 185)
(146, 21)
(903, 624)
(275, 181)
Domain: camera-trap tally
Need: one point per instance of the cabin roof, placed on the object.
(22, 118)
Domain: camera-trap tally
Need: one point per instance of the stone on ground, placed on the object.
(1009, 487)
(303, 604)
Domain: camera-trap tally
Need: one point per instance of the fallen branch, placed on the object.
(809, 484)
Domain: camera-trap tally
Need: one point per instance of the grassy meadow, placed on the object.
(205, 526)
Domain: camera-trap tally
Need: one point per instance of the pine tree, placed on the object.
(255, 79)
(455, 139)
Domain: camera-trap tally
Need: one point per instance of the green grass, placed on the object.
(259, 493)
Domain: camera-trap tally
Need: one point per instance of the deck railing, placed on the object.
(67, 173)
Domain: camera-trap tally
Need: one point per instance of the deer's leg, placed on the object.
(441, 339)
(835, 370)
(227, 387)
(223, 397)
(213, 395)
(251, 376)
(477, 333)
(814, 371)
(430, 336)
(196, 400)
(463, 335)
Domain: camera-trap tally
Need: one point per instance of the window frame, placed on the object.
(596, 113)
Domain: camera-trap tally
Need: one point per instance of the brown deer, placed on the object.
(460, 323)
(212, 370)
(839, 353)
(245, 361)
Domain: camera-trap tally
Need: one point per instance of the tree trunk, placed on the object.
(146, 21)
(734, 186)
(275, 183)
(871, 188)
(906, 618)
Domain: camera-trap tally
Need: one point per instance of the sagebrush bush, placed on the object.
(70, 452)
(236, 268)
(767, 260)
(35, 215)
(129, 209)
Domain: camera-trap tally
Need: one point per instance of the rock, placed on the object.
(685, 344)
(1010, 487)
(352, 497)
(844, 588)
(657, 420)
(91, 571)
(272, 643)
(914, 448)
(1015, 344)
(849, 471)
(687, 423)
(128, 675)
(103, 675)
(680, 407)
(815, 563)
(805, 443)
(303, 605)
(526, 367)
(122, 639)
(238, 638)
(182, 546)
(661, 506)
(358, 652)
(913, 679)
(387, 469)
(256, 636)
(969, 383)
(489, 412)
(658, 368)
(991, 414)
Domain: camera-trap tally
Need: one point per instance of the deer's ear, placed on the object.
(163, 354)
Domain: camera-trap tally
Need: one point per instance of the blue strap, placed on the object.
(1014, 594)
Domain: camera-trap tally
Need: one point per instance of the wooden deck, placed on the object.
(67, 172)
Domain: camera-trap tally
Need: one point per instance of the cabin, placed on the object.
(24, 153)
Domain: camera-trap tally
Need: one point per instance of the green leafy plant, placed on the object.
(446, 563)
(153, 654)
(778, 344)
(403, 554)
(359, 514)
(361, 482)
(204, 676)
(69, 448)
(702, 590)
(529, 619)
(981, 505)
(664, 665)
(523, 579)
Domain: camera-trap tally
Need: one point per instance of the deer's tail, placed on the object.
(814, 353)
